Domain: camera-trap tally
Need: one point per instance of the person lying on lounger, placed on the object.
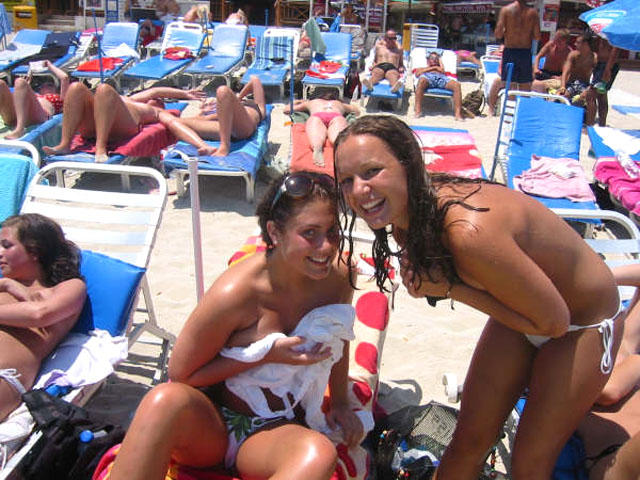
(25, 107)
(433, 76)
(109, 116)
(41, 297)
(199, 419)
(227, 116)
(387, 62)
(326, 120)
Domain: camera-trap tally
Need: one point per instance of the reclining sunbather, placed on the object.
(228, 116)
(41, 297)
(196, 419)
(26, 107)
(432, 76)
(108, 116)
(326, 120)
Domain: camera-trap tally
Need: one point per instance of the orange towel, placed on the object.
(302, 154)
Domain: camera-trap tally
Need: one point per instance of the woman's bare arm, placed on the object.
(45, 307)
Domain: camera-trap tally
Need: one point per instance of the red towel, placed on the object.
(108, 63)
(302, 154)
(178, 53)
(461, 160)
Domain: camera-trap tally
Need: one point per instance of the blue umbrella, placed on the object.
(618, 22)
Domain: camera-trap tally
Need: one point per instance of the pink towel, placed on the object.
(555, 178)
(623, 187)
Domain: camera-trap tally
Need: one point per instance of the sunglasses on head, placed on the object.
(300, 185)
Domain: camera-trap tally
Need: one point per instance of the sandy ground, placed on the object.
(422, 342)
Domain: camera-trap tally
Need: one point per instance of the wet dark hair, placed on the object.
(424, 247)
(287, 206)
(44, 238)
(588, 38)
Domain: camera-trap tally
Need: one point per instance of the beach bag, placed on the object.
(353, 84)
(59, 453)
(473, 102)
(410, 442)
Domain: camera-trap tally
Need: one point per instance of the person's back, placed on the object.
(520, 25)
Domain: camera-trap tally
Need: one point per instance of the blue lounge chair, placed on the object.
(338, 50)
(223, 57)
(382, 89)
(24, 45)
(272, 62)
(113, 36)
(540, 127)
(243, 161)
(176, 34)
(51, 52)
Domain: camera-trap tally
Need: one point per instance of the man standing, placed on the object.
(387, 62)
(519, 25)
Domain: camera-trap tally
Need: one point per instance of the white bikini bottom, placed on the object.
(605, 327)
(10, 375)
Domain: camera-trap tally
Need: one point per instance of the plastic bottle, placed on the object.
(86, 437)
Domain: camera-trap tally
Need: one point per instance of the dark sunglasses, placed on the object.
(300, 185)
(391, 38)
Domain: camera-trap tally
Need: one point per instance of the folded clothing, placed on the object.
(555, 178)
(108, 63)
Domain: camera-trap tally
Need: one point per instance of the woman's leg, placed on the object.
(113, 119)
(336, 125)
(28, 109)
(77, 116)
(565, 382)
(316, 134)
(498, 374)
(192, 131)
(233, 119)
(287, 451)
(7, 109)
(174, 421)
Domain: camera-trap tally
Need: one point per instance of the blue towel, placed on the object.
(5, 26)
(273, 52)
(16, 171)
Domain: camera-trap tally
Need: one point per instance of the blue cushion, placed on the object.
(111, 290)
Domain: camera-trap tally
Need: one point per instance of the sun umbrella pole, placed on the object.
(195, 225)
(503, 108)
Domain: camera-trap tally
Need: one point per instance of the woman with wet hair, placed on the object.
(205, 417)
(41, 297)
(554, 322)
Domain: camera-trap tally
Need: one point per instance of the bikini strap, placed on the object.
(10, 375)
(606, 329)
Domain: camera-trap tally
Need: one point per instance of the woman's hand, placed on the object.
(422, 286)
(343, 416)
(284, 351)
(15, 289)
(196, 94)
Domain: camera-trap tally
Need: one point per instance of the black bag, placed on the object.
(57, 44)
(353, 83)
(473, 102)
(411, 441)
(58, 453)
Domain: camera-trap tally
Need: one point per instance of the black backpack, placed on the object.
(58, 453)
(56, 45)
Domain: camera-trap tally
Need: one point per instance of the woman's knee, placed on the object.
(316, 453)
(224, 92)
(166, 400)
(20, 84)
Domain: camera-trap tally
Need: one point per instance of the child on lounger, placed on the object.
(41, 297)
(196, 419)
(25, 107)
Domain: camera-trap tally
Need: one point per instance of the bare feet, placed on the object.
(459, 118)
(396, 86)
(15, 134)
(101, 157)
(209, 151)
(318, 158)
(57, 150)
(417, 113)
(367, 83)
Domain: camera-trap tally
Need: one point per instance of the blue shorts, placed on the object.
(522, 66)
(436, 80)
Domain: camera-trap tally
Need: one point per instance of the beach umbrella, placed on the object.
(616, 21)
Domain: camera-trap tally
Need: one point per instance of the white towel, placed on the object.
(618, 141)
(329, 325)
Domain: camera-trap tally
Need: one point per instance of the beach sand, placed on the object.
(422, 342)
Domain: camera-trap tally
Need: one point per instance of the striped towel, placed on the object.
(273, 52)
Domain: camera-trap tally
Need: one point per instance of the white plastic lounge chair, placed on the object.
(418, 59)
(424, 35)
(114, 35)
(224, 56)
(177, 34)
(122, 225)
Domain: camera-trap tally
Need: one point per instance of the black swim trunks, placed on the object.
(386, 66)
(547, 74)
(522, 65)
